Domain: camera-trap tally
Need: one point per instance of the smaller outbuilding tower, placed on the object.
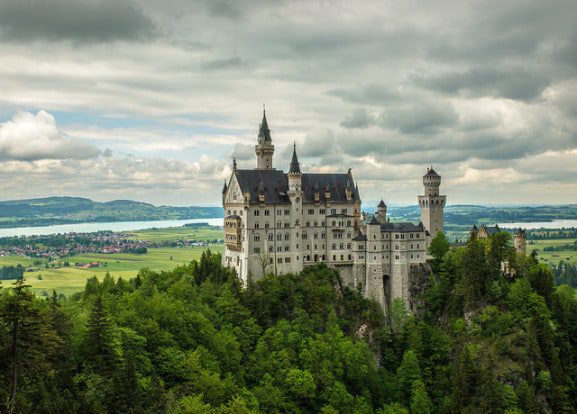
(520, 237)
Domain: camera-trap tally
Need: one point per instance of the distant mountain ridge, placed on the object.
(67, 210)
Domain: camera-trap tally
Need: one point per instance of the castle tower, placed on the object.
(382, 212)
(521, 241)
(432, 204)
(294, 174)
(264, 149)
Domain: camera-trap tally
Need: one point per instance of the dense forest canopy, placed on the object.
(192, 341)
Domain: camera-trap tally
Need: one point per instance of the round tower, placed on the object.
(382, 212)
(432, 204)
(520, 237)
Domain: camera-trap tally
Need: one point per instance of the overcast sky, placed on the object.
(149, 100)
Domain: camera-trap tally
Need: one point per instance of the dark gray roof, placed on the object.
(264, 132)
(382, 204)
(401, 227)
(335, 183)
(360, 237)
(492, 229)
(295, 167)
(431, 173)
(274, 185)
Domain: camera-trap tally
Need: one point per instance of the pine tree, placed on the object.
(99, 345)
(420, 402)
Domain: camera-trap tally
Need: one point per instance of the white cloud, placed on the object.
(34, 137)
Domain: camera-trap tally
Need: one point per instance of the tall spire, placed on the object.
(295, 166)
(264, 132)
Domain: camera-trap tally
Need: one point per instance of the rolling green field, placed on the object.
(178, 233)
(553, 257)
(68, 280)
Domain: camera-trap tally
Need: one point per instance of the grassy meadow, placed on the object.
(70, 279)
(555, 256)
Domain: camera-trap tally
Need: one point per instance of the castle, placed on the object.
(278, 222)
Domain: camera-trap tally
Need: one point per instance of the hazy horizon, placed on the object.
(148, 101)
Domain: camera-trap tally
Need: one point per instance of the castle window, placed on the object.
(350, 257)
(257, 213)
(287, 236)
(279, 249)
(308, 223)
(397, 257)
(267, 212)
(297, 222)
(348, 223)
(266, 225)
(334, 258)
(334, 246)
(279, 260)
(311, 211)
(308, 257)
(316, 223)
(279, 225)
(344, 211)
(270, 237)
(342, 257)
(316, 236)
(348, 245)
(287, 259)
(361, 257)
(270, 249)
(361, 246)
(279, 212)
(279, 237)
(286, 225)
(323, 235)
(411, 256)
(323, 223)
(322, 211)
(411, 246)
(417, 256)
(417, 246)
(286, 248)
(257, 249)
(257, 237)
(396, 236)
(228, 212)
(334, 223)
(304, 235)
(324, 257)
(374, 247)
(287, 212)
(341, 246)
(333, 211)
(396, 247)
(256, 225)
(374, 257)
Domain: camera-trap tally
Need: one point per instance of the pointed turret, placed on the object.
(224, 188)
(264, 148)
(294, 174)
(264, 132)
(295, 167)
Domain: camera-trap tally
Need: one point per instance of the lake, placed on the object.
(94, 227)
(142, 225)
(555, 224)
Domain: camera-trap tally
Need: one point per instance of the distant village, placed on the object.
(60, 246)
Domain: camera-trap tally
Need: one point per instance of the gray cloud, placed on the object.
(420, 117)
(360, 118)
(514, 83)
(78, 21)
(481, 88)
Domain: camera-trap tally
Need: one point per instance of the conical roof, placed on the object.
(295, 166)
(264, 132)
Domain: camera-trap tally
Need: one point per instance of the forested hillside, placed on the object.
(66, 210)
(193, 341)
